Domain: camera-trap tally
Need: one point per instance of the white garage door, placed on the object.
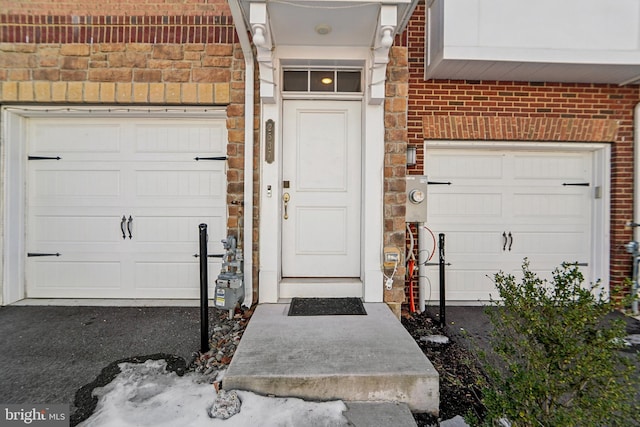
(117, 215)
(504, 206)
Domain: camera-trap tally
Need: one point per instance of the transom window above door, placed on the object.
(325, 81)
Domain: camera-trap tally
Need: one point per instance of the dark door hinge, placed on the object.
(43, 158)
(37, 254)
(211, 158)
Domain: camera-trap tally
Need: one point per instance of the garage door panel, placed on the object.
(549, 167)
(560, 244)
(469, 283)
(73, 274)
(469, 242)
(559, 206)
(53, 137)
(465, 204)
(167, 277)
(209, 139)
(449, 164)
(74, 229)
(177, 229)
(544, 272)
(77, 183)
(178, 183)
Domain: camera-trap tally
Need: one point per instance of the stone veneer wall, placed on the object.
(395, 168)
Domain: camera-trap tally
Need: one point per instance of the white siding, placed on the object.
(547, 40)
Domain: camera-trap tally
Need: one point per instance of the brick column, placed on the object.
(395, 169)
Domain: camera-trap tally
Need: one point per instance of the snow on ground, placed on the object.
(147, 395)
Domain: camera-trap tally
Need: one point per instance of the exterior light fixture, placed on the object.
(326, 80)
(323, 29)
(411, 156)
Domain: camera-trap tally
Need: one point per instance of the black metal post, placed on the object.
(204, 297)
(442, 287)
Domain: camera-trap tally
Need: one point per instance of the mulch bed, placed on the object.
(460, 375)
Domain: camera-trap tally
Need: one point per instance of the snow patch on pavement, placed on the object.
(147, 395)
(435, 339)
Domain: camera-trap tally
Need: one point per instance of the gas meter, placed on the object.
(229, 285)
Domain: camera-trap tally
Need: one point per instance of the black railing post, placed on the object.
(204, 296)
(442, 287)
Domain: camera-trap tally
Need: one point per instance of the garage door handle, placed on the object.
(504, 241)
(124, 219)
(510, 240)
(129, 226)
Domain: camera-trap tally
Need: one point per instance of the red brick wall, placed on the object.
(115, 7)
(548, 103)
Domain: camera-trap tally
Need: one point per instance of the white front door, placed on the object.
(322, 181)
(503, 206)
(122, 206)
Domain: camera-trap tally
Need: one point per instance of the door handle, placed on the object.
(131, 222)
(510, 240)
(504, 240)
(124, 219)
(285, 198)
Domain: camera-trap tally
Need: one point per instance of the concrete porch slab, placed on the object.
(379, 414)
(352, 358)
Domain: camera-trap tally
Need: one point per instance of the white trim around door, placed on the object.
(369, 283)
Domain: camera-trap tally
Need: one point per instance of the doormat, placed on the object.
(326, 307)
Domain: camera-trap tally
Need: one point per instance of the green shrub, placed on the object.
(559, 355)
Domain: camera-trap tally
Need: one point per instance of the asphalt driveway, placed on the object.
(48, 353)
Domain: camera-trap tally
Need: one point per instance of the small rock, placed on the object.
(456, 421)
(435, 339)
(225, 405)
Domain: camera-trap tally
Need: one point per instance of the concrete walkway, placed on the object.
(352, 358)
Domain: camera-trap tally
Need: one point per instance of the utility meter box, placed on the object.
(229, 289)
(416, 198)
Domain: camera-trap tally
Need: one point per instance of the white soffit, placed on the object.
(349, 23)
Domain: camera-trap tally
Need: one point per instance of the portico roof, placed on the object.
(325, 23)
(317, 24)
